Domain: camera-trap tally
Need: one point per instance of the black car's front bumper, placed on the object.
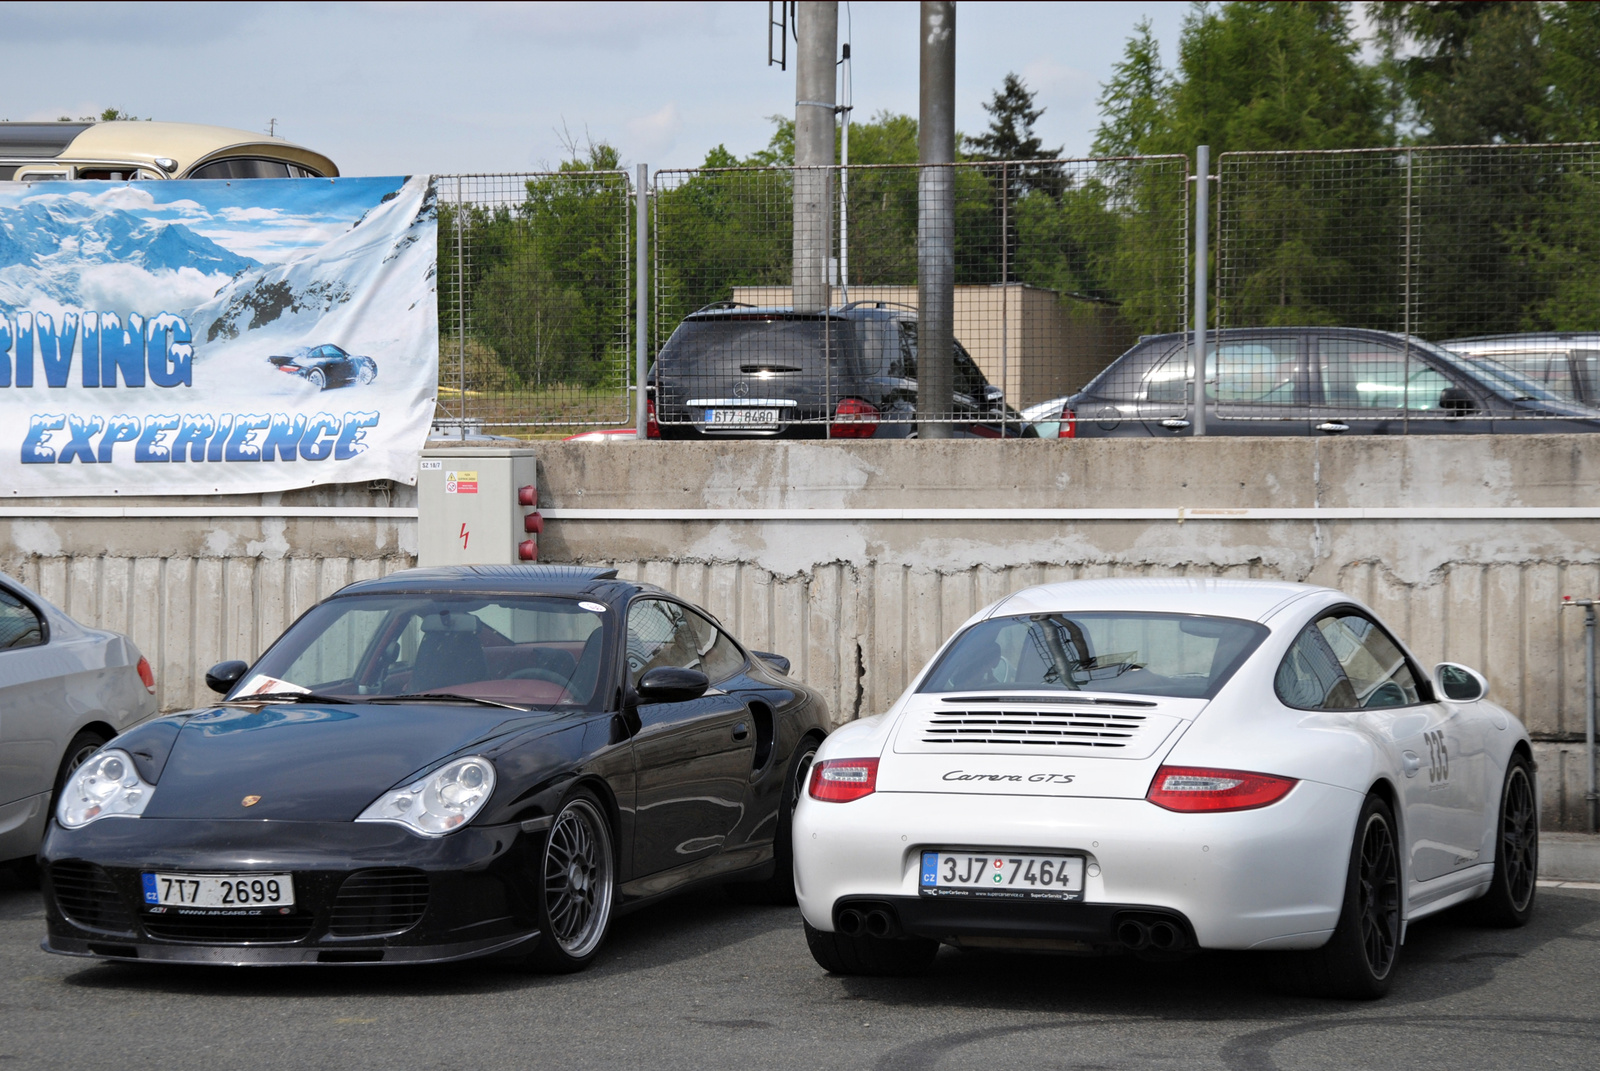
(364, 893)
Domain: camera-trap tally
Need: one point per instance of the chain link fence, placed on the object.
(535, 301)
(1408, 289)
(1059, 265)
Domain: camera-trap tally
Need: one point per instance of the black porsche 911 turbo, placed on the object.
(439, 764)
(326, 367)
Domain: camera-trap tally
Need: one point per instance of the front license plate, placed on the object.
(1002, 875)
(743, 418)
(221, 892)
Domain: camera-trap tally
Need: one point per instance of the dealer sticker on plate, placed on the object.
(219, 892)
(1002, 875)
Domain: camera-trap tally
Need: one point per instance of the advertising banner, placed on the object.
(215, 337)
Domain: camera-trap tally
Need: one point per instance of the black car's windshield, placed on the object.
(1140, 653)
(523, 650)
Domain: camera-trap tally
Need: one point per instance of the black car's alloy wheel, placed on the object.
(576, 886)
(1509, 901)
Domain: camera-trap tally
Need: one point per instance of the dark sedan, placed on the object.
(439, 764)
(1307, 380)
(327, 366)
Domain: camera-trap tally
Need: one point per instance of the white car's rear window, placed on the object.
(1186, 655)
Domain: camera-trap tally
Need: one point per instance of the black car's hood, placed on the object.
(311, 762)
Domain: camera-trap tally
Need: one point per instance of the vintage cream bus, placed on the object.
(130, 150)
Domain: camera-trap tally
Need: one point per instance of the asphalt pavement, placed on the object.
(701, 982)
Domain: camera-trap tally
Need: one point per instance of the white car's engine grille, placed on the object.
(1112, 728)
(1049, 728)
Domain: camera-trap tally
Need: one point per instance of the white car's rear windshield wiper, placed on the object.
(454, 696)
(289, 697)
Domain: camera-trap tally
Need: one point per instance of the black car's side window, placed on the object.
(907, 365)
(659, 634)
(969, 379)
(1345, 661)
(19, 625)
(720, 657)
(1363, 374)
(1262, 371)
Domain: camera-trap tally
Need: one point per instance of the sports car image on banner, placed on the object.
(440, 764)
(145, 329)
(1158, 766)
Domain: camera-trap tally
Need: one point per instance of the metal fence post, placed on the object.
(1202, 212)
(641, 316)
(1591, 797)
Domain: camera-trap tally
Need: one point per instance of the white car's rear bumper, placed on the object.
(1267, 878)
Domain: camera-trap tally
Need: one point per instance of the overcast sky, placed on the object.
(401, 88)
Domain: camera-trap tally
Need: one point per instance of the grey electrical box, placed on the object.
(477, 507)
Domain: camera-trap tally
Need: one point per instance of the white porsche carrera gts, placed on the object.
(1168, 765)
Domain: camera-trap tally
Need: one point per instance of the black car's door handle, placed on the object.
(741, 730)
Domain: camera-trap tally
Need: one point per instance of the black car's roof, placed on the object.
(522, 579)
(876, 310)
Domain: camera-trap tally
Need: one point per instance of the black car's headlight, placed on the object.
(105, 786)
(439, 803)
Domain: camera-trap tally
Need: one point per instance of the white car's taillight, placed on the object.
(1193, 788)
(843, 780)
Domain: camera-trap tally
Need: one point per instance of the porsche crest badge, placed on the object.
(250, 801)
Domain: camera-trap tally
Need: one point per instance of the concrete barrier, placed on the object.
(856, 560)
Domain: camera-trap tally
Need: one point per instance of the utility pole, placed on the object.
(936, 210)
(817, 27)
(1202, 232)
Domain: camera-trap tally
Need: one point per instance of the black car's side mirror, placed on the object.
(1457, 401)
(221, 677)
(671, 684)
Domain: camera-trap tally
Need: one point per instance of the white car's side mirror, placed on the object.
(1461, 684)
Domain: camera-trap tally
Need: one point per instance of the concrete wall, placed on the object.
(860, 604)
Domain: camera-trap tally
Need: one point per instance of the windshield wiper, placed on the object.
(288, 697)
(451, 695)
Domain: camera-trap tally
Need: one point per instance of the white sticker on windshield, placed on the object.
(596, 607)
(261, 684)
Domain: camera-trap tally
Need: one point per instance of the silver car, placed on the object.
(1565, 363)
(65, 689)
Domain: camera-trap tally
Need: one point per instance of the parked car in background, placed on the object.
(438, 764)
(738, 371)
(1566, 363)
(326, 367)
(130, 151)
(65, 689)
(1309, 380)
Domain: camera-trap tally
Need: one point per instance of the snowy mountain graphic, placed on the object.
(47, 246)
(274, 302)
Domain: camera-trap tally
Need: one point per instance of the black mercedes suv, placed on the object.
(739, 371)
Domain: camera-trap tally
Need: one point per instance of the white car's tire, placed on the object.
(1509, 901)
(1359, 960)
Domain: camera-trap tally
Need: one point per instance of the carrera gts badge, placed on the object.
(250, 801)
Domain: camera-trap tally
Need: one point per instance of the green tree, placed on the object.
(1476, 72)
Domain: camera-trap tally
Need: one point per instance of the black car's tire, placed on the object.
(1359, 960)
(366, 370)
(317, 378)
(779, 889)
(1512, 889)
(574, 886)
(883, 957)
